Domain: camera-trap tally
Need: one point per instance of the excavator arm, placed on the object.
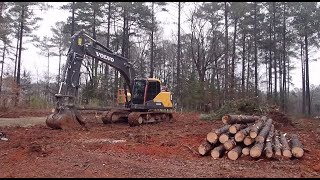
(78, 49)
(65, 114)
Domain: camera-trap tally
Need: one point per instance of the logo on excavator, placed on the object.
(103, 56)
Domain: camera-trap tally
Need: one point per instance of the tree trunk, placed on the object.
(16, 56)
(205, 147)
(236, 127)
(243, 63)
(226, 63)
(264, 131)
(256, 150)
(235, 153)
(233, 59)
(224, 137)
(285, 148)
(283, 103)
(303, 82)
(2, 63)
(213, 136)
(248, 67)
(72, 20)
(95, 61)
(230, 144)
(239, 137)
(20, 46)
(255, 52)
(151, 43)
(297, 148)
(270, 64)
(307, 77)
(274, 53)
(246, 151)
(178, 54)
(269, 143)
(248, 140)
(254, 130)
(239, 119)
(277, 145)
(218, 151)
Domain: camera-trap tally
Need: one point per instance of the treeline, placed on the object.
(230, 50)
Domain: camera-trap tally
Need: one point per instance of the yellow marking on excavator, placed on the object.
(79, 41)
(153, 79)
(164, 97)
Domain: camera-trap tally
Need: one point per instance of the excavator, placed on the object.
(147, 102)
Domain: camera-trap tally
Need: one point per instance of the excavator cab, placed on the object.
(147, 94)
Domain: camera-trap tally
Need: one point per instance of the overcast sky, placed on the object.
(37, 64)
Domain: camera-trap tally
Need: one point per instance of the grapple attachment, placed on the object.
(65, 117)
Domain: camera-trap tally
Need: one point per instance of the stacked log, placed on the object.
(253, 136)
(297, 149)
(213, 136)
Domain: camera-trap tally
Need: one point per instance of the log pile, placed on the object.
(253, 136)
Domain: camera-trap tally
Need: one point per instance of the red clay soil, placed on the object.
(165, 149)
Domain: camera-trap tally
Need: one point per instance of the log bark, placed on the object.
(235, 153)
(218, 151)
(205, 147)
(269, 142)
(254, 130)
(256, 150)
(285, 148)
(236, 127)
(213, 136)
(224, 137)
(277, 145)
(239, 119)
(239, 137)
(264, 131)
(230, 144)
(248, 140)
(268, 150)
(297, 148)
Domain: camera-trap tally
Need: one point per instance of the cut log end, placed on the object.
(239, 137)
(218, 151)
(256, 150)
(212, 137)
(223, 138)
(233, 129)
(233, 155)
(230, 144)
(202, 150)
(204, 147)
(297, 148)
(287, 154)
(260, 139)
(248, 140)
(246, 151)
(225, 119)
(253, 134)
(215, 154)
(297, 152)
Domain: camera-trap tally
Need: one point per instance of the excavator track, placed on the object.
(114, 115)
(138, 118)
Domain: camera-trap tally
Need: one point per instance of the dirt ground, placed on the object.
(166, 149)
